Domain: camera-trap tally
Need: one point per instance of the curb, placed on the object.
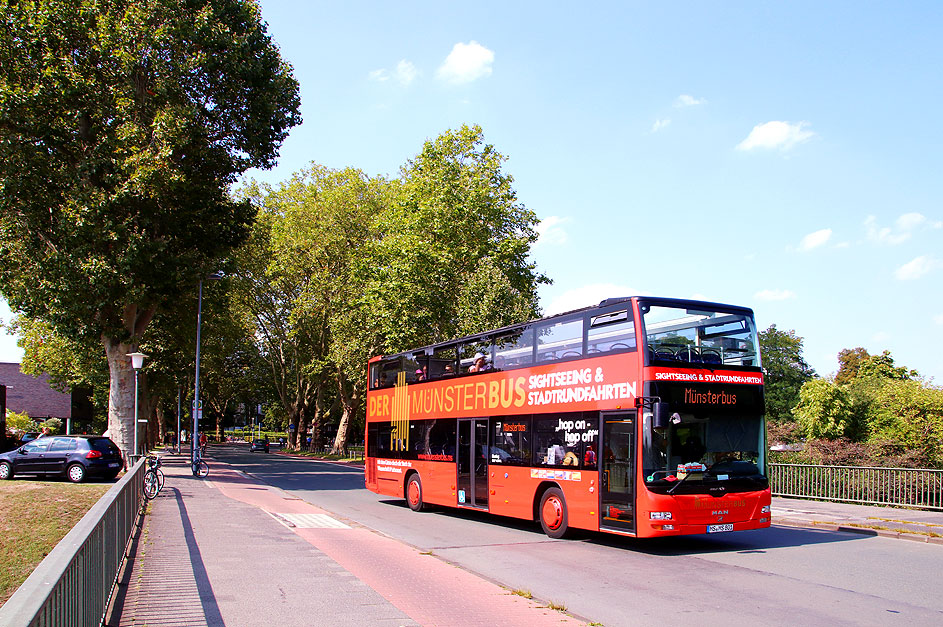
(358, 464)
(863, 531)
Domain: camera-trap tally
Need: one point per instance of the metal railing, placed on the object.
(910, 487)
(353, 451)
(73, 585)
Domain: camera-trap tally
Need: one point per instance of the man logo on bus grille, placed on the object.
(399, 435)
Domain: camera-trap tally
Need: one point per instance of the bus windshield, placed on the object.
(703, 336)
(706, 450)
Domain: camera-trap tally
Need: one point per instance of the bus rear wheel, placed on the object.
(414, 493)
(552, 513)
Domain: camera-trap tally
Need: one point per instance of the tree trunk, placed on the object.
(293, 432)
(316, 421)
(121, 378)
(157, 435)
(120, 395)
(349, 406)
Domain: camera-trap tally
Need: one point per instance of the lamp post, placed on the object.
(197, 407)
(177, 437)
(137, 362)
(196, 383)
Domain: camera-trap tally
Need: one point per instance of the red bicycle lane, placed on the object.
(429, 590)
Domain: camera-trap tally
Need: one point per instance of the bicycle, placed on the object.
(153, 477)
(199, 468)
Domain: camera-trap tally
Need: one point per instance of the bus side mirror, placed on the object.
(661, 414)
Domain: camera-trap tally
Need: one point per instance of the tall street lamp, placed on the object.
(197, 407)
(137, 362)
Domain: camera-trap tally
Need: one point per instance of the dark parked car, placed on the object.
(258, 445)
(29, 436)
(72, 456)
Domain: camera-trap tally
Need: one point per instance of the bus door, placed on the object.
(617, 496)
(473, 463)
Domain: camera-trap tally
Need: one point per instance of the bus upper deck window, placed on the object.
(562, 340)
(611, 332)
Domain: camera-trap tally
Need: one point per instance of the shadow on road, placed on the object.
(757, 541)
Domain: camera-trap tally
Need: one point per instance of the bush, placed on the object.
(824, 410)
(19, 421)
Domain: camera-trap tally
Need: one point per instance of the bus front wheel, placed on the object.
(414, 493)
(552, 513)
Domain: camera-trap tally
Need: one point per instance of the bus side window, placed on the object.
(562, 340)
(514, 350)
(612, 332)
(476, 357)
(511, 443)
(442, 363)
(387, 371)
(566, 440)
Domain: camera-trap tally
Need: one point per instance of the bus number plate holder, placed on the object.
(719, 528)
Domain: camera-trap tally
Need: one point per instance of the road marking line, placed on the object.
(310, 521)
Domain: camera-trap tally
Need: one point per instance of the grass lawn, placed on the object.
(34, 516)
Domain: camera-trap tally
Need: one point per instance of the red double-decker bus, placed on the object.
(639, 416)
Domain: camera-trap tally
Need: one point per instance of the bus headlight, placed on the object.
(660, 516)
(765, 509)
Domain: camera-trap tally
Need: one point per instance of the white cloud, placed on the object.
(781, 135)
(684, 100)
(910, 221)
(815, 240)
(938, 319)
(904, 227)
(588, 295)
(660, 124)
(774, 295)
(380, 76)
(550, 231)
(917, 267)
(404, 73)
(466, 63)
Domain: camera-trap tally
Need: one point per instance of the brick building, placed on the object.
(33, 395)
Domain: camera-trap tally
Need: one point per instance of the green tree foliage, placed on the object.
(121, 127)
(786, 371)
(301, 276)
(874, 413)
(882, 366)
(849, 361)
(342, 267)
(909, 416)
(456, 221)
(824, 410)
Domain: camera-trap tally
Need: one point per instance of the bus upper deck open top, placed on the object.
(640, 416)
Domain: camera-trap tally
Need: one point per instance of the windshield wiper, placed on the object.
(672, 489)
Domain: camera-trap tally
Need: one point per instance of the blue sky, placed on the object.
(783, 156)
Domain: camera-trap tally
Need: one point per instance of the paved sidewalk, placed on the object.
(231, 551)
(892, 522)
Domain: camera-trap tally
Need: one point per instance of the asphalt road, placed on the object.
(779, 576)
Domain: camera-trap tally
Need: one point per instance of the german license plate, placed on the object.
(719, 528)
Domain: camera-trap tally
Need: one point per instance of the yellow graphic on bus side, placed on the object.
(399, 435)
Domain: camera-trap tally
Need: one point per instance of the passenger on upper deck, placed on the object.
(481, 364)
